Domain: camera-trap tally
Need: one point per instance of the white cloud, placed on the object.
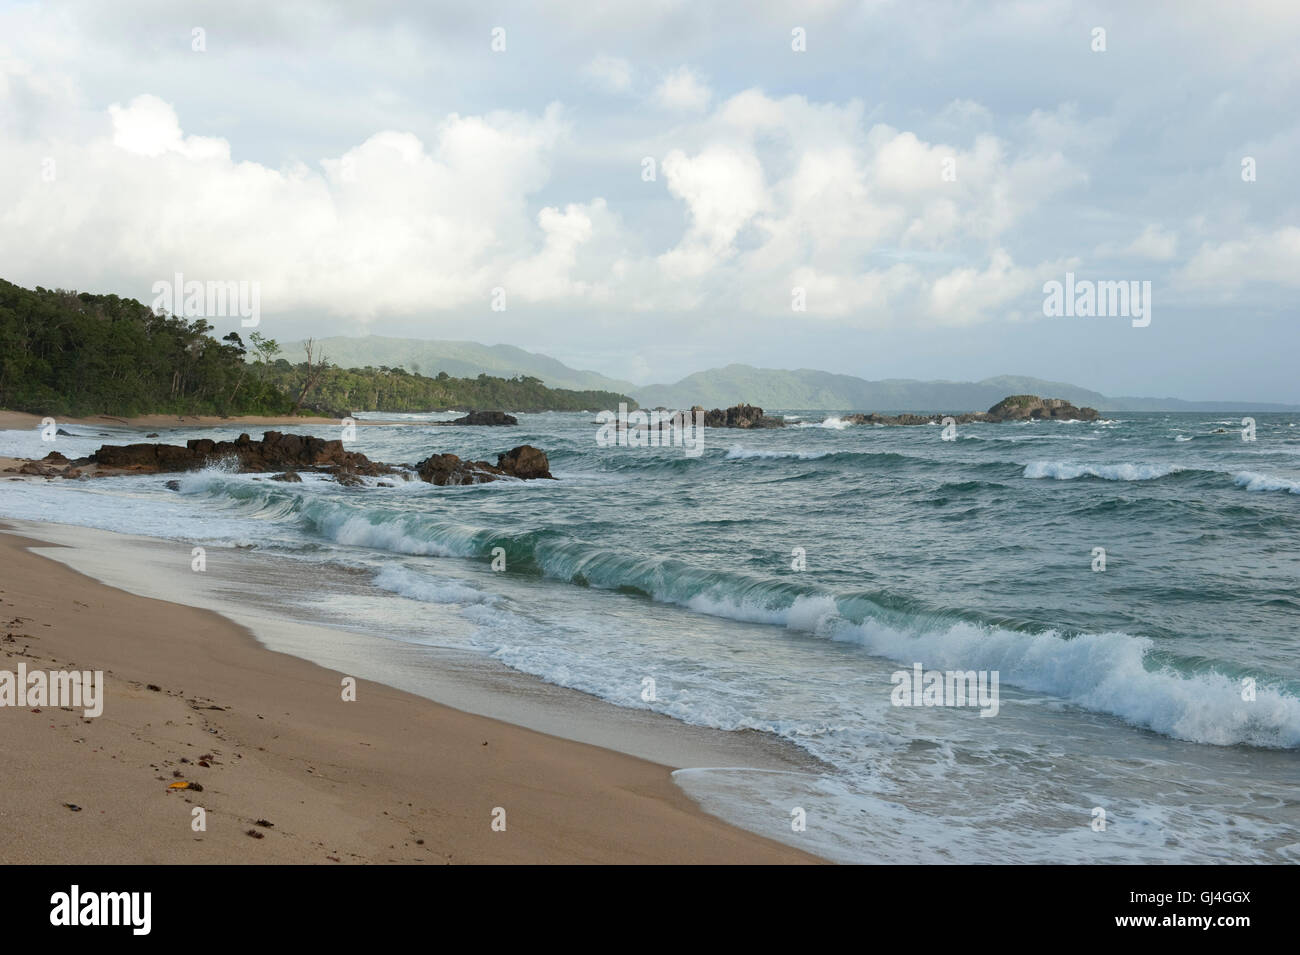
(393, 225)
(1266, 256)
(683, 89)
(149, 127)
(968, 295)
(771, 193)
(610, 72)
(723, 190)
(1155, 243)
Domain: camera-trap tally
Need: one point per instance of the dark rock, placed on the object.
(445, 469)
(739, 416)
(275, 452)
(525, 462)
(152, 434)
(292, 453)
(40, 469)
(906, 419)
(1027, 407)
(1013, 408)
(486, 418)
(173, 485)
(66, 434)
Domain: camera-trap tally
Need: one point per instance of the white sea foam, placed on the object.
(1103, 672)
(1253, 481)
(808, 613)
(407, 583)
(831, 423)
(1067, 471)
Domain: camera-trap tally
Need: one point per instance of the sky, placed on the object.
(652, 188)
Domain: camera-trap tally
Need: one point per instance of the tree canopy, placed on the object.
(70, 353)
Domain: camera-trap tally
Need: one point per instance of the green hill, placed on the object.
(808, 388)
(459, 359)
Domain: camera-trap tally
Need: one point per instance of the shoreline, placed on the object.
(392, 777)
(21, 420)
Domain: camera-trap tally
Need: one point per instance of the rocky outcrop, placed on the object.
(1031, 407)
(275, 452)
(52, 465)
(738, 416)
(443, 469)
(524, 462)
(1014, 408)
(484, 418)
(902, 419)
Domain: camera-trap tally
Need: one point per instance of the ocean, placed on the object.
(1133, 584)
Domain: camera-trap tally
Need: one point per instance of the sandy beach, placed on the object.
(389, 778)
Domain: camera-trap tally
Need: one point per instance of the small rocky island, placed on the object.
(1013, 408)
(737, 416)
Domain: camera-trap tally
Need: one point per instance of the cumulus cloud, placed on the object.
(377, 177)
(149, 127)
(683, 89)
(1262, 256)
(392, 225)
(773, 194)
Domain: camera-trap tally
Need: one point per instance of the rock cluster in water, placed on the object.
(1014, 408)
(524, 462)
(289, 454)
(738, 416)
(484, 418)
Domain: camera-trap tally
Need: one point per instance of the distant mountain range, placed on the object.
(458, 359)
(806, 388)
(771, 388)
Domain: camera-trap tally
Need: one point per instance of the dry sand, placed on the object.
(392, 777)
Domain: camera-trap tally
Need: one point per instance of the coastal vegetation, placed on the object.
(77, 353)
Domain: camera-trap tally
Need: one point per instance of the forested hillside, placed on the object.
(75, 353)
(395, 389)
(70, 353)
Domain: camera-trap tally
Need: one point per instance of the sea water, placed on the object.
(1133, 583)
